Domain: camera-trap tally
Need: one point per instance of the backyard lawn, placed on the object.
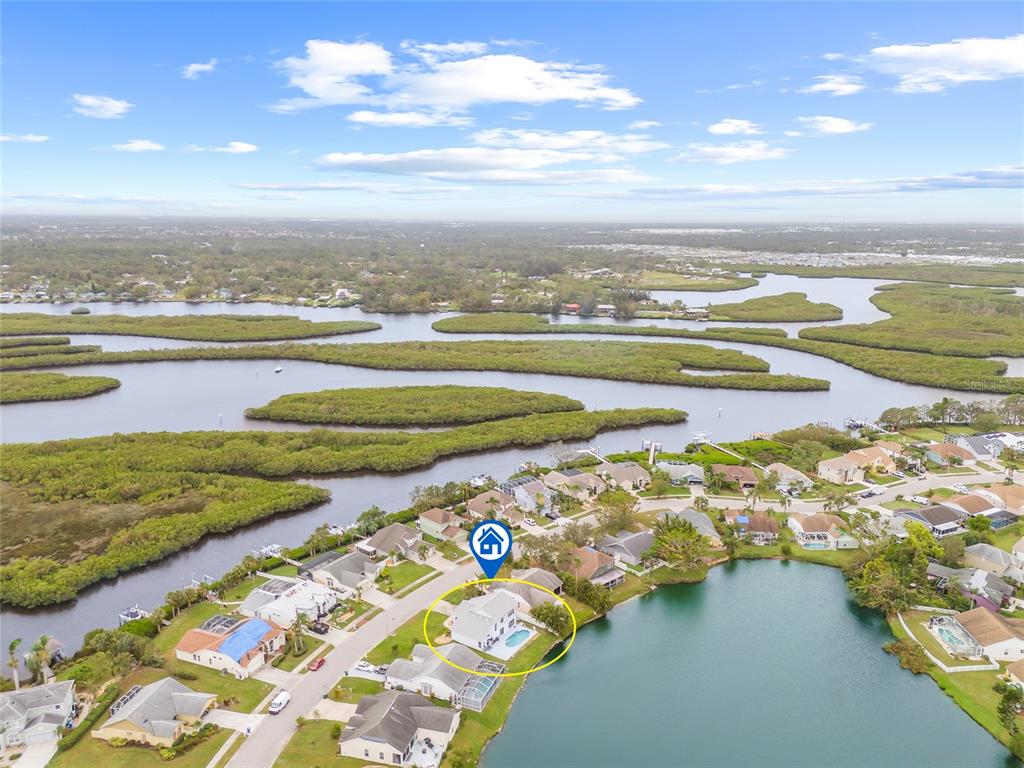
(917, 621)
(400, 644)
(240, 591)
(1006, 537)
(395, 578)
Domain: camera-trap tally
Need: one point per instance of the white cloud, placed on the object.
(924, 68)
(103, 107)
(139, 145)
(643, 125)
(833, 56)
(29, 138)
(793, 134)
(731, 126)
(727, 154)
(231, 148)
(87, 199)
(586, 140)
(383, 187)
(493, 164)
(829, 124)
(193, 71)
(339, 73)
(1002, 177)
(408, 119)
(836, 85)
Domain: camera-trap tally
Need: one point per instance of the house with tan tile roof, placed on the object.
(1000, 638)
(490, 504)
(1009, 497)
(945, 454)
(744, 477)
(873, 459)
(972, 504)
(821, 531)
(841, 470)
(597, 567)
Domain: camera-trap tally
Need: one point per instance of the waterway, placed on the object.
(764, 664)
(196, 395)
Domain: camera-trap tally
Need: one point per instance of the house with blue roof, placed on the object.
(234, 645)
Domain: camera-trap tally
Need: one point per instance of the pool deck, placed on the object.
(501, 649)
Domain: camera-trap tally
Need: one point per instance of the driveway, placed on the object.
(36, 755)
(236, 721)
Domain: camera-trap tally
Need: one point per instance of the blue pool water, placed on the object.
(517, 637)
(950, 637)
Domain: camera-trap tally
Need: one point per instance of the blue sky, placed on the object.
(580, 111)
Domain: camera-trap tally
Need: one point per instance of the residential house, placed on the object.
(282, 599)
(540, 577)
(345, 573)
(528, 597)
(761, 529)
(939, 520)
(394, 539)
(35, 715)
(821, 531)
(1015, 673)
(743, 477)
(841, 470)
(1009, 497)
(398, 728)
(441, 524)
(873, 459)
(947, 454)
(972, 504)
(529, 493)
(572, 482)
(597, 567)
(238, 647)
(982, 589)
(1018, 550)
(490, 504)
(983, 448)
(1000, 639)
(427, 674)
(701, 522)
(627, 475)
(480, 622)
(993, 560)
(157, 714)
(789, 477)
(681, 474)
(893, 448)
(628, 547)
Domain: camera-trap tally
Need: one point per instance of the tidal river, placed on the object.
(199, 395)
(765, 664)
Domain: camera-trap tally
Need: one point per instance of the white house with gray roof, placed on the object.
(681, 473)
(628, 547)
(395, 538)
(35, 715)
(480, 622)
(344, 573)
(701, 522)
(426, 673)
(281, 599)
(398, 728)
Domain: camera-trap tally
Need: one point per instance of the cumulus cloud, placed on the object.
(408, 119)
(829, 124)
(833, 56)
(193, 71)
(732, 125)
(443, 78)
(727, 154)
(28, 138)
(139, 145)
(231, 148)
(932, 68)
(836, 85)
(493, 164)
(1001, 177)
(102, 107)
(586, 140)
(643, 125)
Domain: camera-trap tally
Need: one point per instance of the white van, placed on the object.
(280, 702)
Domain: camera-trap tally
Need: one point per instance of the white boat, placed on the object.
(131, 614)
(278, 369)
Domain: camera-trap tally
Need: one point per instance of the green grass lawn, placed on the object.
(284, 569)
(97, 753)
(290, 662)
(674, 490)
(351, 689)
(1006, 537)
(447, 549)
(630, 588)
(882, 479)
(240, 591)
(395, 578)
(357, 609)
(458, 595)
(313, 746)
(400, 644)
(917, 620)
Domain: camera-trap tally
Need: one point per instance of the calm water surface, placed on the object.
(764, 664)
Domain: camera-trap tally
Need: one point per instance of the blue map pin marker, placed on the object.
(491, 543)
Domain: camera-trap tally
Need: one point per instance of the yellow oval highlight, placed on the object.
(430, 645)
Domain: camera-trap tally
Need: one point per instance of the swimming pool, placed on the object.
(950, 638)
(517, 638)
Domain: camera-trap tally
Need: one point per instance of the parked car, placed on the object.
(316, 664)
(897, 473)
(280, 702)
(920, 499)
(528, 521)
(959, 487)
(319, 627)
(552, 515)
(365, 666)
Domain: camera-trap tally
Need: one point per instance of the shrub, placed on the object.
(99, 708)
(336, 731)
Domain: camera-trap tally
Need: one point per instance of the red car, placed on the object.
(316, 664)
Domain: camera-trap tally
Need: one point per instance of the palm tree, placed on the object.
(785, 502)
(38, 659)
(296, 631)
(13, 663)
(701, 503)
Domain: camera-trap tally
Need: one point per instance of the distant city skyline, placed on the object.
(681, 112)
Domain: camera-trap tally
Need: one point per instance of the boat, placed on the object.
(278, 369)
(131, 614)
(479, 481)
(270, 550)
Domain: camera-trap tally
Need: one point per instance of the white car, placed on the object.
(528, 521)
(280, 702)
(959, 487)
(365, 666)
(920, 499)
